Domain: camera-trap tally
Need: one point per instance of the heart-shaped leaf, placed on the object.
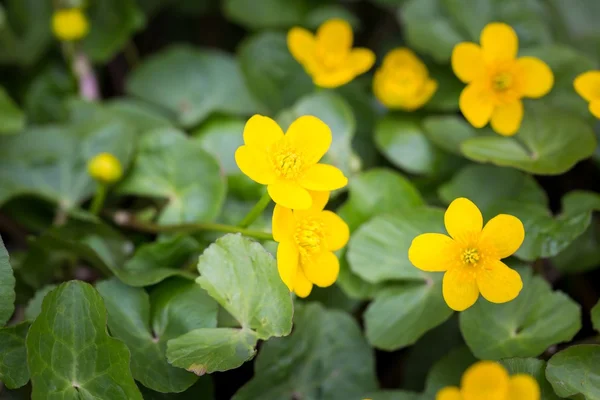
(575, 372)
(13, 355)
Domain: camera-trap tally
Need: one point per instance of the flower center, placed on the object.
(309, 237)
(287, 163)
(470, 256)
(502, 81)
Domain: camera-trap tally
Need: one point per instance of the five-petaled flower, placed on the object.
(489, 380)
(403, 81)
(587, 86)
(307, 240)
(471, 255)
(69, 24)
(497, 80)
(328, 56)
(289, 164)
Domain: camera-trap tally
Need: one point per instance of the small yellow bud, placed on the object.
(105, 168)
(69, 24)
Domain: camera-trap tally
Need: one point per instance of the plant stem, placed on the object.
(132, 55)
(125, 220)
(99, 198)
(256, 210)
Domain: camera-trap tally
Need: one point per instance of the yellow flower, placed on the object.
(587, 86)
(105, 168)
(328, 56)
(403, 81)
(471, 255)
(69, 24)
(488, 380)
(288, 163)
(307, 240)
(497, 80)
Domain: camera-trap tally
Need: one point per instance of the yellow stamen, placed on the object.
(470, 256)
(502, 81)
(309, 237)
(288, 164)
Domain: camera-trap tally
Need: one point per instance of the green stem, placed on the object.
(256, 210)
(132, 55)
(126, 221)
(99, 198)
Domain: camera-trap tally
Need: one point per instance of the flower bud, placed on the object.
(69, 24)
(105, 168)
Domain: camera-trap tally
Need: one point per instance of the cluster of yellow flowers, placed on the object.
(289, 165)
(496, 79)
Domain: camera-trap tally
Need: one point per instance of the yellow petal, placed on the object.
(460, 288)
(323, 177)
(432, 252)
(499, 42)
(361, 60)
(595, 108)
(476, 104)
(333, 78)
(283, 223)
(463, 220)
(485, 380)
(310, 137)
(335, 35)
(449, 393)
(467, 61)
(506, 118)
(302, 286)
(261, 133)
(301, 43)
(523, 387)
(337, 232)
(404, 57)
(425, 95)
(323, 269)
(502, 236)
(255, 164)
(290, 195)
(497, 282)
(536, 77)
(587, 85)
(287, 262)
(319, 200)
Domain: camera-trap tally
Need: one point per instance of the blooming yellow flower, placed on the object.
(105, 168)
(328, 56)
(471, 255)
(69, 24)
(488, 380)
(497, 80)
(288, 163)
(307, 240)
(587, 86)
(403, 81)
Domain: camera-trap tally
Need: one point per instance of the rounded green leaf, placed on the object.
(34, 307)
(448, 131)
(525, 327)
(7, 286)
(70, 353)
(325, 357)
(12, 119)
(533, 367)
(261, 14)
(550, 142)
(575, 372)
(192, 84)
(171, 166)
(582, 255)
(13, 355)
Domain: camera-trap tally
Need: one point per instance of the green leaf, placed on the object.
(45, 99)
(549, 142)
(378, 250)
(273, 76)
(12, 119)
(183, 306)
(402, 313)
(449, 369)
(535, 368)
(525, 327)
(575, 372)
(171, 166)
(13, 356)
(192, 84)
(448, 131)
(318, 16)
(263, 14)
(582, 255)
(7, 286)
(394, 394)
(332, 109)
(112, 23)
(202, 389)
(596, 316)
(448, 92)
(487, 185)
(401, 140)
(34, 307)
(325, 357)
(242, 277)
(69, 353)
